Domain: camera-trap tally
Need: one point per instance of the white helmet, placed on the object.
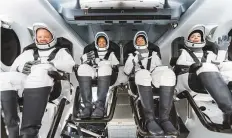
(51, 44)
(97, 36)
(195, 29)
(144, 35)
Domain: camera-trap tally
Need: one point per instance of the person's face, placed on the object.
(101, 42)
(195, 38)
(43, 36)
(140, 41)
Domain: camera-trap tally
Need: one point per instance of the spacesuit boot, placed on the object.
(9, 100)
(86, 94)
(102, 90)
(165, 105)
(220, 93)
(146, 97)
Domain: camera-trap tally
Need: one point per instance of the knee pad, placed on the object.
(86, 70)
(164, 77)
(12, 81)
(225, 66)
(207, 67)
(104, 70)
(143, 77)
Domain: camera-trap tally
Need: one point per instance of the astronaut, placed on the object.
(148, 70)
(218, 35)
(97, 61)
(29, 77)
(198, 71)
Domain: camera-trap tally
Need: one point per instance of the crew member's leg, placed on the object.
(165, 79)
(143, 81)
(85, 75)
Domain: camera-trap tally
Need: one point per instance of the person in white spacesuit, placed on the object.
(224, 59)
(148, 70)
(199, 71)
(29, 75)
(97, 61)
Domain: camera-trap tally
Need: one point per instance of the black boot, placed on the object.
(9, 100)
(85, 84)
(165, 105)
(227, 120)
(146, 96)
(102, 90)
(34, 105)
(220, 92)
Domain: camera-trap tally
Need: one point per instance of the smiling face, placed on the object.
(101, 42)
(195, 38)
(43, 36)
(140, 41)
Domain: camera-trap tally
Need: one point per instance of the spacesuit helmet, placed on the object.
(140, 40)
(43, 36)
(195, 38)
(101, 41)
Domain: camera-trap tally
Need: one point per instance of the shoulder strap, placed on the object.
(204, 58)
(193, 55)
(36, 54)
(107, 55)
(149, 60)
(140, 63)
(53, 54)
(96, 54)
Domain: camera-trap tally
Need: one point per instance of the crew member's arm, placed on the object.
(129, 65)
(63, 61)
(20, 61)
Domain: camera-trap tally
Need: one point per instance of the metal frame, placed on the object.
(105, 119)
(74, 122)
(209, 125)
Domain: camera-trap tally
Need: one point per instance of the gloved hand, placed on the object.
(27, 66)
(223, 42)
(90, 55)
(194, 67)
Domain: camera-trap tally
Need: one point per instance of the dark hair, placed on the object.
(103, 38)
(142, 37)
(197, 31)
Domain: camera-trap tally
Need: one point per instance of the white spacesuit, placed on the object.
(99, 61)
(148, 70)
(198, 72)
(220, 36)
(29, 74)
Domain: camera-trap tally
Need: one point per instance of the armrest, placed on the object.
(56, 75)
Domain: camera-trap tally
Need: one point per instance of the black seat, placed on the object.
(56, 90)
(112, 47)
(129, 48)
